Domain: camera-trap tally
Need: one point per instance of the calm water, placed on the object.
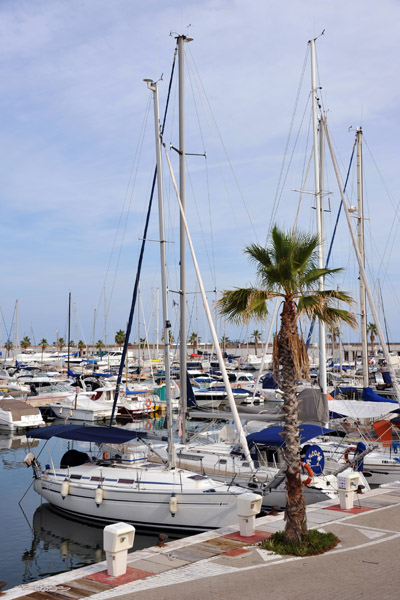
(35, 541)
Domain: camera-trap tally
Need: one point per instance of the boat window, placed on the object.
(75, 476)
(126, 481)
(197, 477)
(97, 479)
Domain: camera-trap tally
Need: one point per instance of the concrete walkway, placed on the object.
(222, 564)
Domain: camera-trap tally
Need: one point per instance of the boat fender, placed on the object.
(105, 455)
(173, 505)
(310, 473)
(148, 402)
(29, 459)
(64, 488)
(99, 496)
(347, 452)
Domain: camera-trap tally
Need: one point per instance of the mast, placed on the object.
(181, 39)
(164, 299)
(363, 274)
(319, 210)
(16, 325)
(360, 231)
(69, 330)
(232, 404)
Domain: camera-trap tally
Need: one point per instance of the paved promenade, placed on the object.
(222, 564)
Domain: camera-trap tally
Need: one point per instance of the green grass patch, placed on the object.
(314, 542)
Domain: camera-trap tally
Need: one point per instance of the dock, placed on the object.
(223, 564)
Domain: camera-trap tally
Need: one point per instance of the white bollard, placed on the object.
(346, 500)
(118, 538)
(248, 506)
(347, 485)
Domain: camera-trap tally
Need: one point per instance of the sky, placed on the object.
(78, 152)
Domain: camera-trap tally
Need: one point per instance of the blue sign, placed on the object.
(315, 458)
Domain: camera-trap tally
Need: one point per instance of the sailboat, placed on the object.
(128, 487)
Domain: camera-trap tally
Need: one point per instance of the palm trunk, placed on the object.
(295, 514)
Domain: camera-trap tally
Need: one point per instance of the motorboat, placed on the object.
(16, 414)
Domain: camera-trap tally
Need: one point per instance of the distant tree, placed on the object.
(61, 343)
(194, 340)
(143, 341)
(81, 346)
(25, 342)
(8, 346)
(100, 345)
(120, 337)
(256, 335)
(170, 336)
(333, 334)
(43, 344)
(373, 332)
(224, 342)
(72, 344)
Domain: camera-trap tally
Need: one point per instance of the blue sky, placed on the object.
(77, 147)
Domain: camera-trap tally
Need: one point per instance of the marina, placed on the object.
(197, 428)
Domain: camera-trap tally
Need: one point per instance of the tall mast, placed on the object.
(363, 274)
(319, 210)
(166, 323)
(360, 231)
(69, 330)
(181, 39)
(16, 324)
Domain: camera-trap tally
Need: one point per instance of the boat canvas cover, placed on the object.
(82, 433)
(18, 408)
(370, 396)
(274, 436)
(313, 406)
(360, 410)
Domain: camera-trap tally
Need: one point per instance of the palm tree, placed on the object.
(120, 337)
(99, 345)
(61, 343)
(81, 346)
(333, 334)
(25, 342)
(194, 340)
(224, 342)
(8, 346)
(256, 335)
(43, 343)
(373, 332)
(287, 269)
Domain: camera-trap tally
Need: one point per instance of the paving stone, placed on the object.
(130, 575)
(223, 544)
(253, 539)
(169, 560)
(189, 555)
(150, 566)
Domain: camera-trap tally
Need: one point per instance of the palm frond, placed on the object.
(241, 304)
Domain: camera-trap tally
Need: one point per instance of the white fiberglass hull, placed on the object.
(88, 410)
(140, 496)
(25, 422)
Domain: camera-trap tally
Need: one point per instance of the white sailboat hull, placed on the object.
(145, 500)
